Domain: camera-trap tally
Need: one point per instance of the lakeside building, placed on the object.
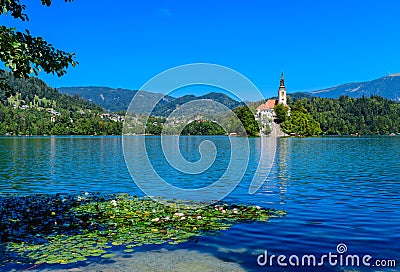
(266, 110)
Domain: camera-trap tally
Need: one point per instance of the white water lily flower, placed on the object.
(113, 202)
(179, 214)
(155, 219)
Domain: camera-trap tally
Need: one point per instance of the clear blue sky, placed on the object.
(317, 43)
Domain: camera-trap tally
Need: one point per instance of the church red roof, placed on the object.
(270, 104)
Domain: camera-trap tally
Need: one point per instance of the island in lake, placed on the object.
(34, 108)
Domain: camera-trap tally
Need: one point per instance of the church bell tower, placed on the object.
(282, 92)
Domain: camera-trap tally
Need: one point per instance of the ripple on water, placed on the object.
(333, 189)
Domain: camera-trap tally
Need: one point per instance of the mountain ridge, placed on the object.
(113, 99)
(386, 86)
(222, 98)
(118, 99)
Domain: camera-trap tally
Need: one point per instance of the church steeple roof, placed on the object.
(282, 99)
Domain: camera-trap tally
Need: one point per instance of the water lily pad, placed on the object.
(108, 256)
(66, 228)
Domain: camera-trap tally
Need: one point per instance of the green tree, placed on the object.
(38, 109)
(281, 112)
(203, 128)
(24, 54)
(154, 125)
(346, 115)
(301, 122)
(247, 118)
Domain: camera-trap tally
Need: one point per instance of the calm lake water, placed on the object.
(335, 190)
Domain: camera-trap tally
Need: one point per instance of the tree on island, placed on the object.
(246, 117)
(281, 112)
(203, 128)
(347, 115)
(24, 54)
(300, 122)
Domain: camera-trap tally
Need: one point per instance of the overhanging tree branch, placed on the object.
(24, 54)
(15, 8)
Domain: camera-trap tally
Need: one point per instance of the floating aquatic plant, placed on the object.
(66, 229)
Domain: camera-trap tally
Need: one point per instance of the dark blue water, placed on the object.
(335, 190)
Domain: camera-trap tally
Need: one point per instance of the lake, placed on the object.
(335, 190)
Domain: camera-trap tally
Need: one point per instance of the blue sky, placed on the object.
(317, 43)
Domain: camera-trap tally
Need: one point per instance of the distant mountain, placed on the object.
(299, 95)
(119, 99)
(168, 108)
(387, 87)
(115, 99)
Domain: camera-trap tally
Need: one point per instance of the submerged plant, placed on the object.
(66, 229)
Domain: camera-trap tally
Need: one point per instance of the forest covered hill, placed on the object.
(33, 108)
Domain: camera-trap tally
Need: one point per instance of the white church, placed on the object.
(266, 110)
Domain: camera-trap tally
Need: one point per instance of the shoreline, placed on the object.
(176, 135)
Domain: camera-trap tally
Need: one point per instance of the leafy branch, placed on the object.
(24, 54)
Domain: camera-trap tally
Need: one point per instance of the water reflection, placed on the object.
(63, 164)
(159, 166)
(276, 182)
(283, 160)
(333, 189)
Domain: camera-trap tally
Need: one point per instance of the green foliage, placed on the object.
(247, 118)
(24, 54)
(240, 121)
(301, 123)
(346, 115)
(154, 125)
(67, 229)
(16, 9)
(40, 110)
(281, 112)
(201, 127)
